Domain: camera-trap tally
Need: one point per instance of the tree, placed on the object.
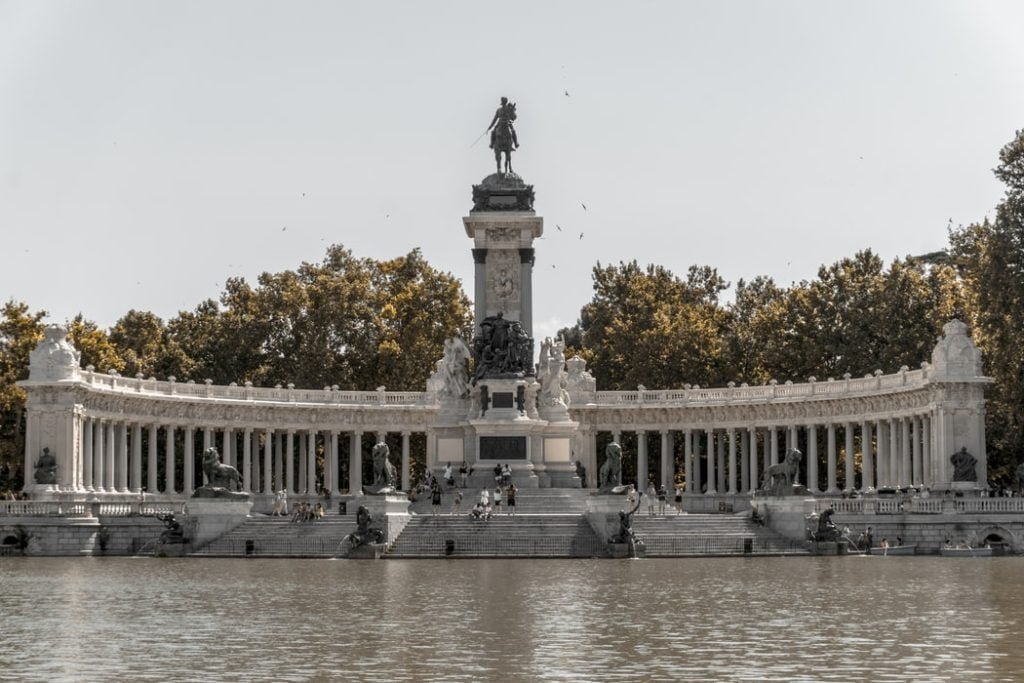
(990, 259)
(20, 330)
(94, 345)
(143, 342)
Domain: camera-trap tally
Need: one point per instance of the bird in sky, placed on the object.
(567, 93)
(583, 205)
(284, 228)
(559, 227)
(581, 235)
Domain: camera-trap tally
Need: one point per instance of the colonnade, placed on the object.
(115, 453)
(883, 452)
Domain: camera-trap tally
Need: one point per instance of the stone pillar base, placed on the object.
(214, 517)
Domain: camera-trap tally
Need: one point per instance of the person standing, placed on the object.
(497, 499)
(485, 497)
(435, 499)
(463, 471)
(652, 497)
(510, 499)
(456, 502)
(662, 495)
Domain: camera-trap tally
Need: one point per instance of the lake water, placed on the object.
(776, 619)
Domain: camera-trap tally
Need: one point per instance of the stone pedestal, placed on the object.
(388, 512)
(214, 517)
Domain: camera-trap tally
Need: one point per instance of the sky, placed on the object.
(148, 151)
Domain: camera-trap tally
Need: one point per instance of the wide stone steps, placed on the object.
(265, 536)
(524, 535)
(702, 535)
(528, 501)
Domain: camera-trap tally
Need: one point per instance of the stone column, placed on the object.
(905, 473)
(189, 471)
(110, 448)
(641, 460)
(688, 461)
(301, 461)
(87, 443)
(99, 455)
(289, 462)
(135, 484)
(207, 438)
(918, 478)
(732, 460)
(479, 288)
(773, 441)
(753, 479)
(721, 461)
(833, 487)
(355, 465)
(405, 462)
(255, 477)
(894, 452)
(745, 461)
(591, 437)
(812, 459)
(279, 460)
(867, 462)
(850, 472)
(311, 464)
(151, 456)
(926, 451)
(667, 460)
(712, 477)
(169, 457)
(794, 439)
(526, 287)
(247, 459)
(122, 457)
(881, 434)
(268, 461)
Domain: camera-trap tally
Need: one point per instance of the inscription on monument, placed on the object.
(501, 399)
(503, 448)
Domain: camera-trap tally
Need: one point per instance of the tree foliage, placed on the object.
(20, 331)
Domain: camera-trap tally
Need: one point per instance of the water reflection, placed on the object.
(884, 619)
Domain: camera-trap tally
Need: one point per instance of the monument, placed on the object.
(510, 411)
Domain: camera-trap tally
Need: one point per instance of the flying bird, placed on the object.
(567, 93)
(581, 235)
(284, 228)
(583, 205)
(559, 227)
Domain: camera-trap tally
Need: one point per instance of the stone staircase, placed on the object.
(524, 535)
(528, 501)
(691, 535)
(265, 536)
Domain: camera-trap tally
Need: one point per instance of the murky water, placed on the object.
(776, 619)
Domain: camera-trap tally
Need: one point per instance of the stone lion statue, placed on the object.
(384, 475)
(779, 479)
(219, 475)
(610, 474)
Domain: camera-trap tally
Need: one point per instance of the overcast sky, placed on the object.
(150, 150)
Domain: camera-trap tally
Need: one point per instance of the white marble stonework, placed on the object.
(101, 427)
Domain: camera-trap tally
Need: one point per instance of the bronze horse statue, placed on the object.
(503, 134)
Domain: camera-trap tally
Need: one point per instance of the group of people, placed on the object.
(657, 499)
(305, 512)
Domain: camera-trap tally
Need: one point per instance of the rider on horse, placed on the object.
(504, 116)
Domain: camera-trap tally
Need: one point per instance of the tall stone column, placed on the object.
(229, 447)
(794, 439)
(151, 456)
(812, 459)
(122, 457)
(189, 470)
(279, 482)
(256, 476)
(591, 437)
(773, 440)
(110, 448)
(87, 444)
(867, 462)
(850, 477)
(915, 424)
(906, 476)
(405, 462)
(745, 461)
(894, 452)
(667, 460)
(247, 459)
(268, 461)
(712, 476)
(136, 482)
(355, 466)
(526, 285)
(207, 438)
(753, 479)
(720, 446)
(926, 451)
(289, 462)
(882, 437)
(641, 460)
(480, 285)
(732, 460)
(301, 462)
(99, 456)
(833, 486)
(311, 464)
(169, 484)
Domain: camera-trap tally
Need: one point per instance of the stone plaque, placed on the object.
(501, 399)
(503, 448)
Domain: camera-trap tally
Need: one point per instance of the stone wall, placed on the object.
(83, 536)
